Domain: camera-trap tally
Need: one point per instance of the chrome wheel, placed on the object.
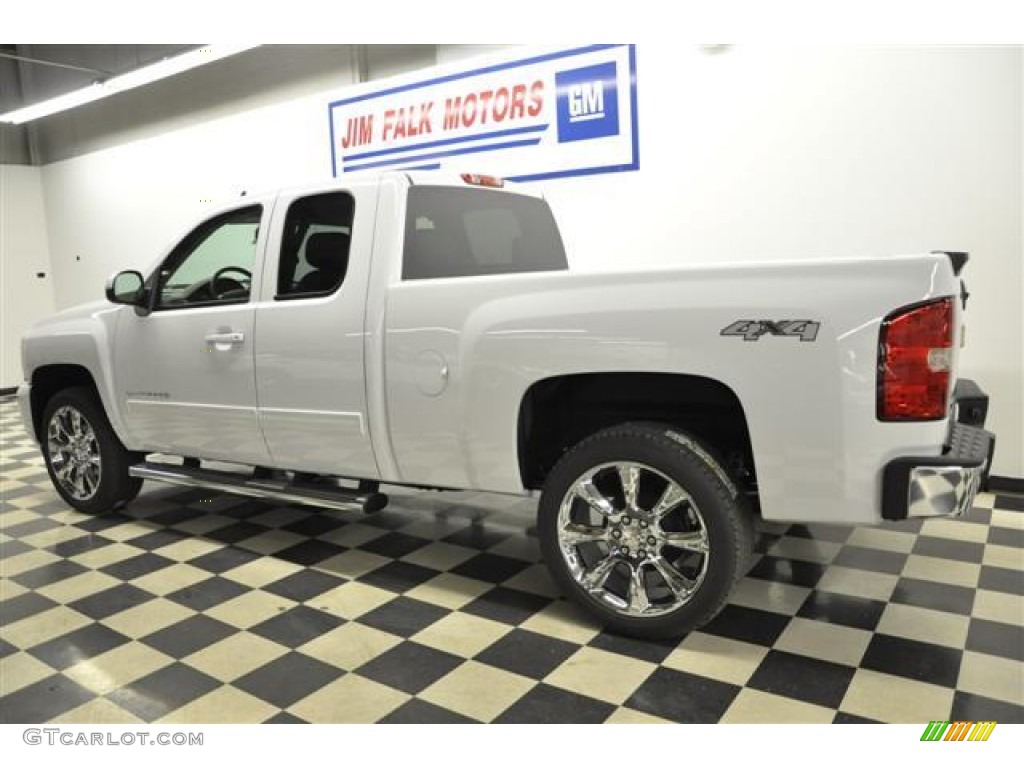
(633, 539)
(74, 452)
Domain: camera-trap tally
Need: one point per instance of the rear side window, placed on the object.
(315, 245)
(451, 232)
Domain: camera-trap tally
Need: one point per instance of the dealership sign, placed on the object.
(550, 114)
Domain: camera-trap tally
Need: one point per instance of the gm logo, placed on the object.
(588, 103)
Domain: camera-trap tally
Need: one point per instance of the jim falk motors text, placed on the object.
(484, 107)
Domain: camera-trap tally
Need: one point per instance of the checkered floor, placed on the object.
(188, 607)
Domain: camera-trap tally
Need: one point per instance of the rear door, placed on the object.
(309, 332)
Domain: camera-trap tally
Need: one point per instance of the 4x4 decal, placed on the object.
(752, 330)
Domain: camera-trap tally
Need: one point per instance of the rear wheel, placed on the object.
(86, 461)
(642, 526)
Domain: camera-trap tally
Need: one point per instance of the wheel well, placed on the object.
(48, 380)
(557, 413)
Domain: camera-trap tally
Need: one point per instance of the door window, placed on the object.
(315, 246)
(214, 263)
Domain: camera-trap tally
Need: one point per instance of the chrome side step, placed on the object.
(313, 494)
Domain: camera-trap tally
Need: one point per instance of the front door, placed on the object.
(184, 372)
(309, 349)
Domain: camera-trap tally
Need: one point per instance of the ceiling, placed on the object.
(258, 76)
(33, 73)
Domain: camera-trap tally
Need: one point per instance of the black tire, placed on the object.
(113, 486)
(722, 526)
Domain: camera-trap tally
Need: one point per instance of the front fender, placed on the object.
(81, 337)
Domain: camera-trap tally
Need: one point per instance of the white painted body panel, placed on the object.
(309, 359)
(179, 393)
(421, 382)
(82, 336)
(810, 407)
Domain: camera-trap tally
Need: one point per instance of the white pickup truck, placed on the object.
(425, 330)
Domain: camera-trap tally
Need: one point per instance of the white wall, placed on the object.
(751, 153)
(120, 207)
(24, 253)
(769, 153)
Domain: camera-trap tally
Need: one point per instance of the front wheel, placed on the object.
(86, 461)
(641, 525)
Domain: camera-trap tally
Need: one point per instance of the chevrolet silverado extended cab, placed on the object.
(426, 331)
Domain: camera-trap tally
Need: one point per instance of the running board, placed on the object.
(264, 488)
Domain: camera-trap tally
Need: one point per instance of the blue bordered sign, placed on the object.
(540, 116)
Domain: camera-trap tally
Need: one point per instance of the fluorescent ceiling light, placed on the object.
(141, 76)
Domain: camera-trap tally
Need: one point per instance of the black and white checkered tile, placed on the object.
(192, 607)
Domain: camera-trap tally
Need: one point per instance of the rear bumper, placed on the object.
(930, 486)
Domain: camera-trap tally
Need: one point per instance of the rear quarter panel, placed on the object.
(810, 406)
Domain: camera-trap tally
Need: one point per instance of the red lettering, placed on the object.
(360, 131)
(389, 123)
(517, 107)
(536, 98)
(489, 106)
(424, 125)
(469, 115)
(452, 108)
(500, 104)
(485, 101)
(402, 127)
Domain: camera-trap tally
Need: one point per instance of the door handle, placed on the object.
(231, 337)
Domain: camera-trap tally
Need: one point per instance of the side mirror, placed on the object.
(127, 287)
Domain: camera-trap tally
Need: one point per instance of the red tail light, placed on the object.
(915, 355)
